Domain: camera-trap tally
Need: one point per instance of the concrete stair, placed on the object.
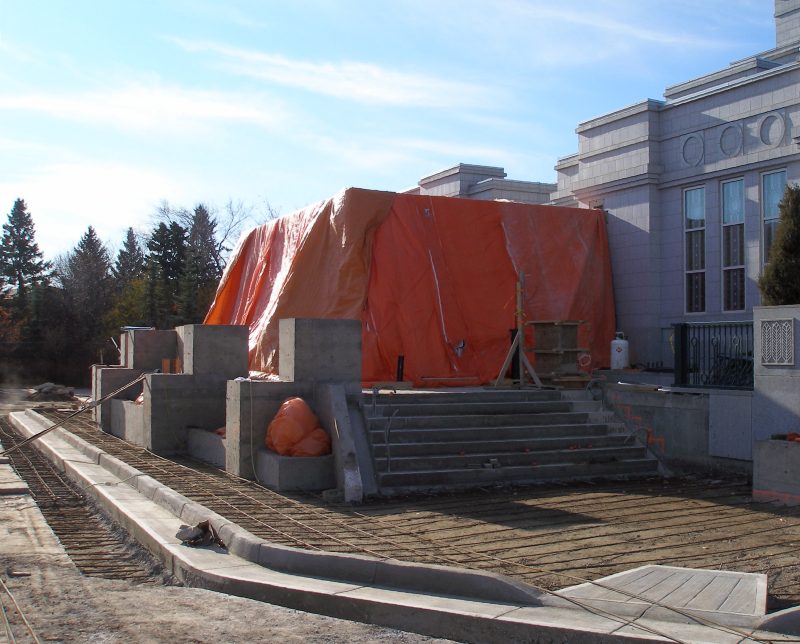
(455, 439)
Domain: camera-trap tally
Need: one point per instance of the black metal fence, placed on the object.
(714, 354)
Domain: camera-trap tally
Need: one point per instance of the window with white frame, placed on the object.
(773, 185)
(733, 245)
(694, 221)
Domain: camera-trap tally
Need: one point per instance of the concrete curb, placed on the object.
(404, 576)
(152, 513)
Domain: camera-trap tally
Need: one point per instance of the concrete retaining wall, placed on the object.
(776, 471)
(676, 425)
(173, 403)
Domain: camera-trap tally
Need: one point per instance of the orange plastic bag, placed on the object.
(293, 423)
(317, 443)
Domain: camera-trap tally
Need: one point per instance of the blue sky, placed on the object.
(107, 108)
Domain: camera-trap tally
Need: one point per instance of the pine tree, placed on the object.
(130, 261)
(780, 281)
(20, 258)
(166, 262)
(201, 271)
(85, 277)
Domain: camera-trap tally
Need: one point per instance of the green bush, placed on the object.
(780, 280)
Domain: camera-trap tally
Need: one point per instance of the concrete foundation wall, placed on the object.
(675, 427)
(775, 471)
(127, 421)
(105, 380)
(250, 406)
(144, 349)
(218, 350)
(319, 350)
(207, 446)
(290, 473)
(175, 402)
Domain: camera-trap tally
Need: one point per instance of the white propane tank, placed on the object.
(619, 352)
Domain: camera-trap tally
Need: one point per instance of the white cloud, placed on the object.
(65, 198)
(152, 108)
(347, 80)
(228, 13)
(13, 51)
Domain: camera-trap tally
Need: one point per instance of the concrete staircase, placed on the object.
(455, 439)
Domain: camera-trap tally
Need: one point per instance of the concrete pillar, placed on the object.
(144, 349)
(219, 350)
(319, 350)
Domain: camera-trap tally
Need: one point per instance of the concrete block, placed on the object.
(217, 350)
(144, 349)
(105, 380)
(127, 421)
(776, 471)
(730, 431)
(173, 403)
(205, 445)
(170, 500)
(251, 405)
(319, 350)
(242, 543)
(118, 468)
(147, 486)
(193, 513)
(288, 473)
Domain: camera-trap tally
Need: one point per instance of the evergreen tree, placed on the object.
(780, 281)
(166, 262)
(85, 277)
(130, 261)
(20, 258)
(201, 271)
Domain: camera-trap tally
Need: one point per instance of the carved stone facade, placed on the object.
(690, 185)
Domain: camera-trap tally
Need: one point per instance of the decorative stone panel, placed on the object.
(777, 342)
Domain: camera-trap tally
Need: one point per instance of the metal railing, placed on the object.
(717, 355)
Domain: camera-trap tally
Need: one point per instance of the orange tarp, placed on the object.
(431, 278)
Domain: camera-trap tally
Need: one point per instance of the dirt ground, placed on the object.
(64, 606)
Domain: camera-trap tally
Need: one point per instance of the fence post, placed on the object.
(681, 335)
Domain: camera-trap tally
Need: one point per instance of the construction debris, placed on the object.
(48, 391)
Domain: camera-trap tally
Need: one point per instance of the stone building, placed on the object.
(691, 185)
(481, 182)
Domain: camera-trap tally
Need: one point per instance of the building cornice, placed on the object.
(648, 105)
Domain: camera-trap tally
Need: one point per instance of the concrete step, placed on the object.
(456, 435)
(474, 408)
(479, 395)
(582, 453)
(400, 482)
(577, 436)
(477, 420)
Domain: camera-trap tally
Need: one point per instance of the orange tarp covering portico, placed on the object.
(431, 278)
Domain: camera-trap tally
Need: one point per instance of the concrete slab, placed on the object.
(679, 594)
(10, 483)
(22, 529)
